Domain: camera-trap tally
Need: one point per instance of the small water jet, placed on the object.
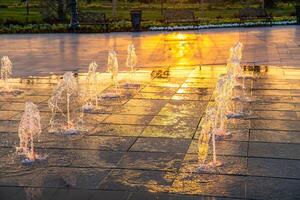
(207, 134)
(233, 62)
(234, 67)
(5, 75)
(222, 101)
(238, 73)
(65, 105)
(6, 72)
(113, 69)
(92, 88)
(29, 129)
(131, 62)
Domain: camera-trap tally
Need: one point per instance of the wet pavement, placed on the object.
(144, 146)
(278, 45)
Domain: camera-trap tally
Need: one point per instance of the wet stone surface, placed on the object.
(144, 145)
(275, 136)
(161, 145)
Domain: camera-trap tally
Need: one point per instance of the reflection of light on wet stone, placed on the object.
(95, 152)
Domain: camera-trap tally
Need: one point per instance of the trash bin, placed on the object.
(136, 18)
(298, 14)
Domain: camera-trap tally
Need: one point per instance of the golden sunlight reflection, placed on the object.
(181, 48)
(154, 110)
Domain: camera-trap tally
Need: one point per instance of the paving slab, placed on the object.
(191, 97)
(272, 188)
(111, 195)
(148, 95)
(284, 125)
(151, 161)
(150, 89)
(79, 158)
(212, 185)
(118, 130)
(128, 119)
(176, 121)
(165, 196)
(138, 180)
(230, 148)
(12, 193)
(71, 178)
(101, 143)
(278, 115)
(170, 131)
(236, 135)
(138, 110)
(7, 115)
(72, 194)
(184, 108)
(161, 145)
(230, 165)
(146, 102)
(15, 193)
(275, 136)
(280, 168)
(274, 150)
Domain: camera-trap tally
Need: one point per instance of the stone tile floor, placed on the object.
(144, 146)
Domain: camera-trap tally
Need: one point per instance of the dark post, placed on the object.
(298, 14)
(136, 18)
(74, 23)
(60, 10)
(27, 7)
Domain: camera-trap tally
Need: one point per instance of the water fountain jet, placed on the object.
(113, 69)
(29, 129)
(235, 73)
(92, 88)
(131, 62)
(222, 101)
(65, 105)
(5, 75)
(207, 134)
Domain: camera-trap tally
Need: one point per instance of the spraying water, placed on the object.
(131, 59)
(29, 128)
(131, 64)
(207, 134)
(6, 72)
(92, 87)
(5, 75)
(113, 69)
(222, 101)
(65, 105)
(237, 73)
